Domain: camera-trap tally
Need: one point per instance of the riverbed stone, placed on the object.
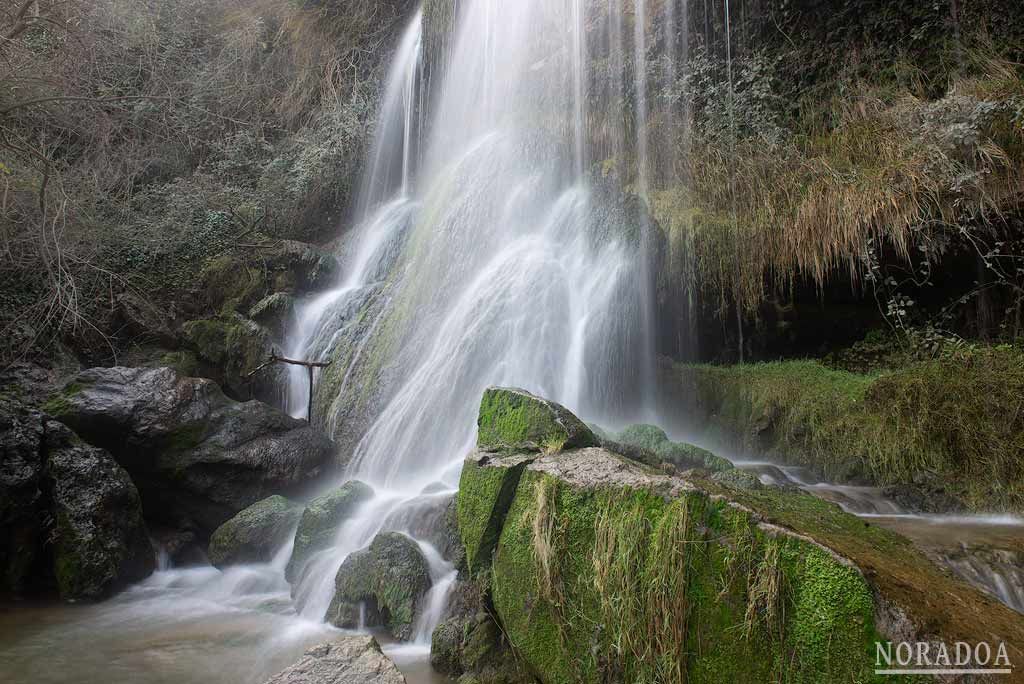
(255, 534)
(389, 579)
(196, 456)
(517, 420)
(320, 520)
(353, 659)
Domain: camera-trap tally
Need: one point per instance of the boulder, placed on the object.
(320, 521)
(196, 456)
(653, 440)
(99, 538)
(21, 496)
(517, 420)
(432, 519)
(348, 660)
(255, 534)
(388, 579)
(70, 517)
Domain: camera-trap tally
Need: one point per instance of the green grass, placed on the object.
(960, 419)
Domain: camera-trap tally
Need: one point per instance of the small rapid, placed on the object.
(986, 551)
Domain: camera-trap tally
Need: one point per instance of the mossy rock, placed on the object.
(514, 419)
(683, 455)
(233, 347)
(274, 312)
(256, 533)
(485, 493)
(609, 570)
(644, 436)
(680, 454)
(388, 580)
(320, 520)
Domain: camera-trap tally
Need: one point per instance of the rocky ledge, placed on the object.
(603, 568)
(196, 456)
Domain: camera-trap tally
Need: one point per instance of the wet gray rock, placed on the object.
(99, 538)
(255, 534)
(389, 579)
(196, 456)
(348, 660)
(21, 496)
(320, 521)
(469, 643)
(433, 520)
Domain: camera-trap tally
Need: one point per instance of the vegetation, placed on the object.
(957, 418)
(141, 140)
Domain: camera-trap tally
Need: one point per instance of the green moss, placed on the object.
(485, 494)
(508, 419)
(183, 362)
(679, 454)
(320, 521)
(605, 584)
(60, 404)
(961, 418)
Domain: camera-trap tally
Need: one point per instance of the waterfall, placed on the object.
(488, 257)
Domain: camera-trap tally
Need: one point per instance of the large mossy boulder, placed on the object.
(386, 582)
(760, 584)
(355, 659)
(255, 534)
(70, 516)
(319, 523)
(514, 419)
(196, 456)
(99, 539)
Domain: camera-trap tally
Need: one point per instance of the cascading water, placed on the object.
(492, 262)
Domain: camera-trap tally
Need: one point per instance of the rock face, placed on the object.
(349, 660)
(320, 520)
(231, 347)
(21, 496)
(469, 642)
(389, 578)
(70, 517)
(762, 584)
(100, 541)
(255, 534)
(515, 419)
(196, 456)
